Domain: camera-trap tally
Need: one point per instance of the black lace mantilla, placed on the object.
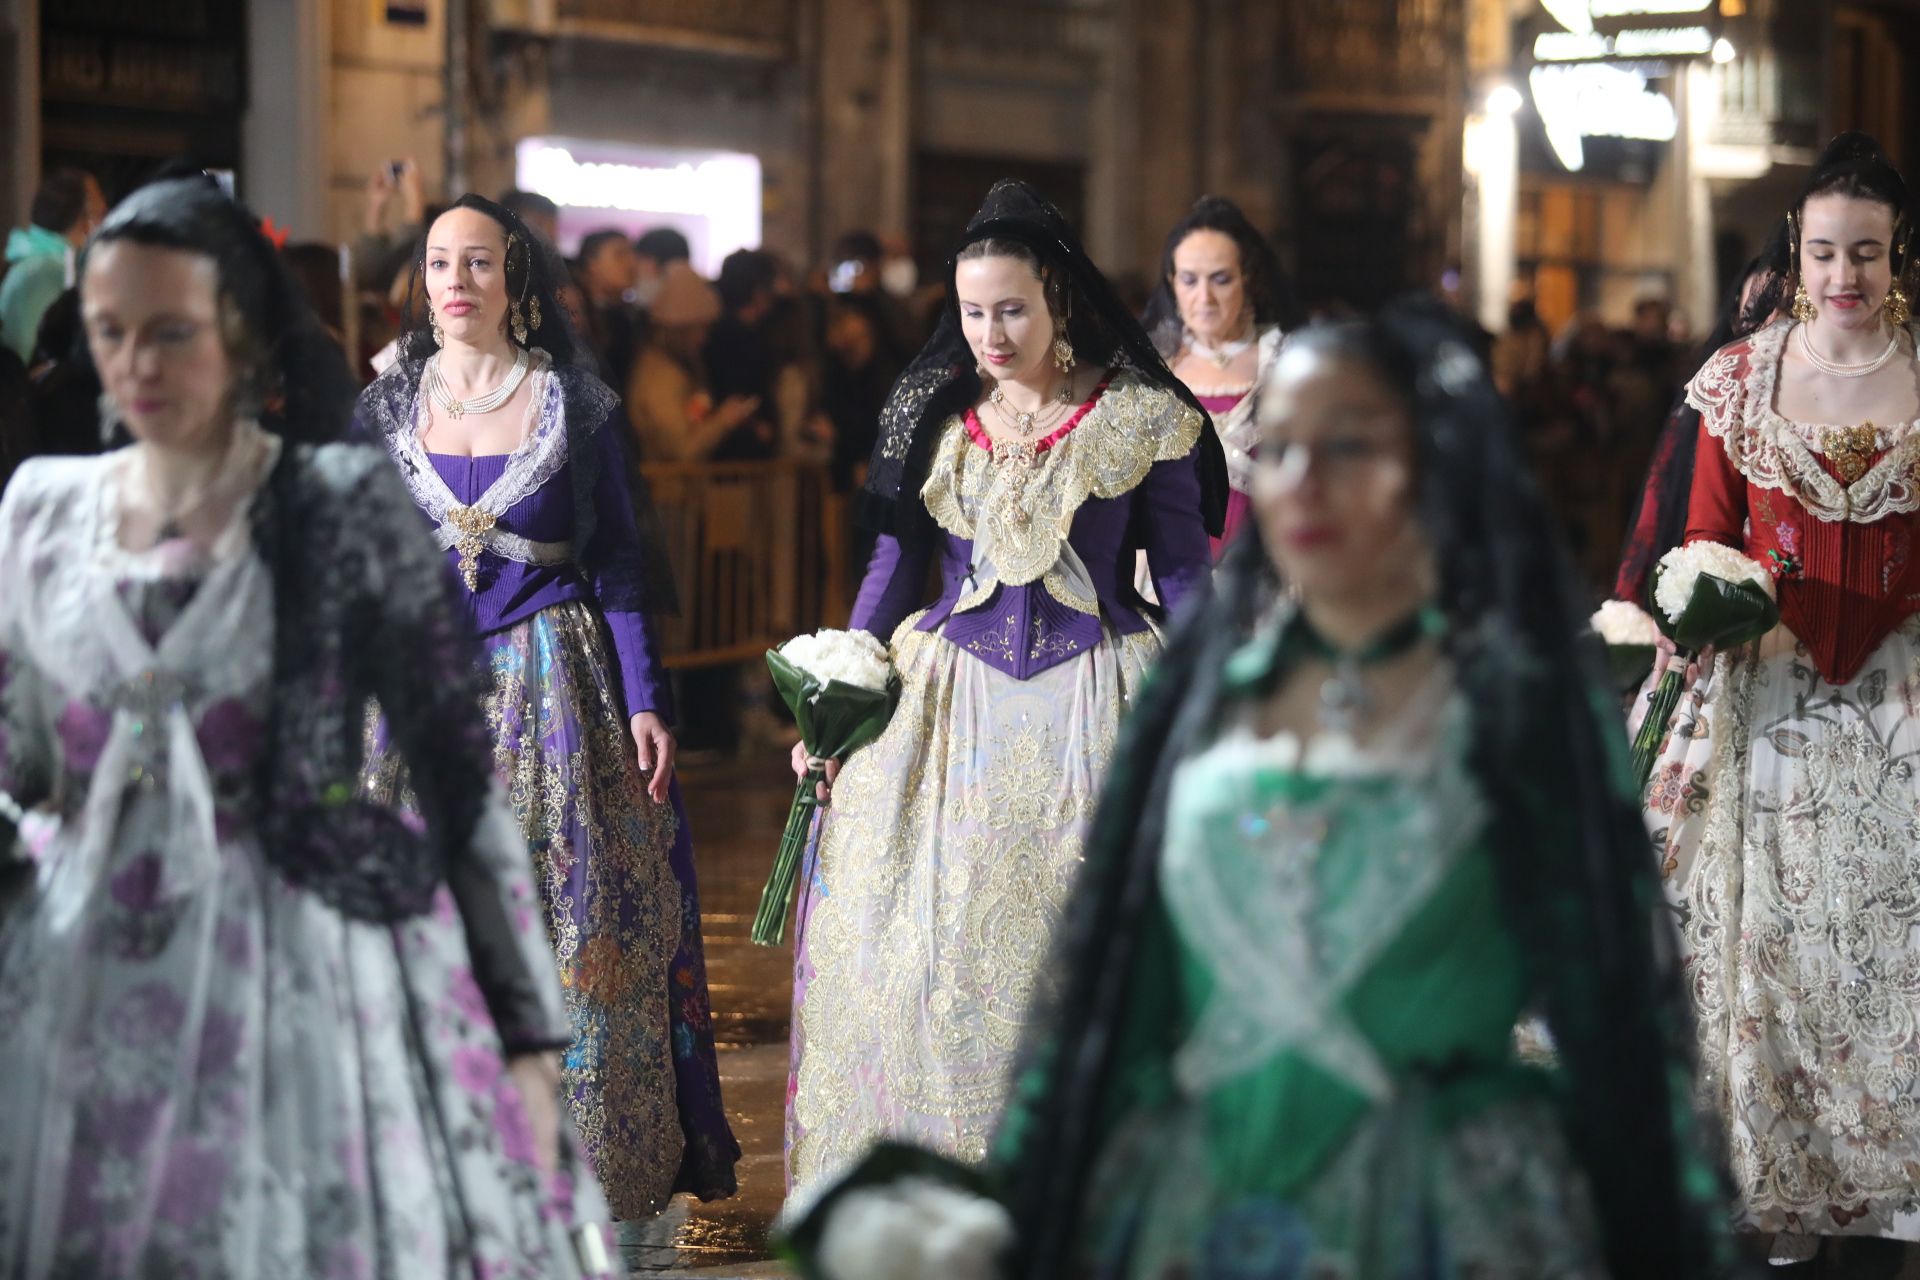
(364, 610)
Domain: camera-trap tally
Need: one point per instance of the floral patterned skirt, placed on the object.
(238, 1083)
(929, 901)
(615, 871)
(1787, 813)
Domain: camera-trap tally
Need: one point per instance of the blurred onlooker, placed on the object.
(657, 250)
(63, 390)
(1520, 355)
(608, 271)
(65, 210)
(16, 415)
(858, 267)
(861, 366)
(669, 401)
(381, 251)
(317, 267)
(738, 356)
(534, 209)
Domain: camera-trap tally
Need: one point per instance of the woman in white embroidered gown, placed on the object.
(1786, 805)
(1223, 307)
(1035, 444)
(254, 1030)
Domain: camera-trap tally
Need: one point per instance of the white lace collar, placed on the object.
(1735, 393)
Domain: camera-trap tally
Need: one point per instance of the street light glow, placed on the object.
(1723, 51)
(1504, 100)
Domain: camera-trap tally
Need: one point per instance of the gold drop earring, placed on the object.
(1803, 309)
(433, 323)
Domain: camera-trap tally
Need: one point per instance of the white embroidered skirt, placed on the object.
(929, 902)
(1787, 814)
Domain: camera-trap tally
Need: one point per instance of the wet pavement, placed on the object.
(737, 812)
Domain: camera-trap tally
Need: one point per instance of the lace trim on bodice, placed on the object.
(541, 454)
(1238, 429)
(1025, 512)
(1241, 879)
(1734, 393)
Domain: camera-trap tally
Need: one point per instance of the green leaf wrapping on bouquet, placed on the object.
(1652, 737)
(1629, 664)
(798, 1234)
(835, 720)
(1721, 614)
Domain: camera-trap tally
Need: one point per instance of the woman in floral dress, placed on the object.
(1785, 805)
(256, 1029)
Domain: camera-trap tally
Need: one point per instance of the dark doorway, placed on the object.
(1354, 197)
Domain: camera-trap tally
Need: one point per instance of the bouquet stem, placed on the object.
(1653, 730)
(770, 921)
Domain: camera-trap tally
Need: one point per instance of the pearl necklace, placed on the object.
(1833, 369)
(1224, 354)
(437, 388)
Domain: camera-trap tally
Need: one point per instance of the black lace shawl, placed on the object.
(627, 576)
(942, 380)
(1578, 882)
(364, 610)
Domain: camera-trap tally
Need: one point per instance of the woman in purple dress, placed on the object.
(1033, 447)
(1223, 308)
(512, 449)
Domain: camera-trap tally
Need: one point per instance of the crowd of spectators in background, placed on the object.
(777, 360)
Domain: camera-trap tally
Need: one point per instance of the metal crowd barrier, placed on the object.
(757, 550)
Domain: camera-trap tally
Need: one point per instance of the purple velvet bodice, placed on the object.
(510, 591)
(1024, 630)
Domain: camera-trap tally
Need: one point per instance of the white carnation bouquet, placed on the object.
(898, 1213)
(1631, 636)
(1707, 596)
(841, 688)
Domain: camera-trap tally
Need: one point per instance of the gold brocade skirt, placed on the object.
(930, 898)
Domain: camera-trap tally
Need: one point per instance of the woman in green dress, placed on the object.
(1357, 831)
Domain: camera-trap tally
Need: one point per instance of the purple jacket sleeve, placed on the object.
(895, 580)
(1178, 553)
(612, 564)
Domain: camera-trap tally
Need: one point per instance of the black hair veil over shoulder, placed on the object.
(1578, 881)
(942, 380)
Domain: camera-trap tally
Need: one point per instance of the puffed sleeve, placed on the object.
(1178, 553)
(26, 734)
(1717, 502)
(614, 564)
(425, 671)
(895, 580)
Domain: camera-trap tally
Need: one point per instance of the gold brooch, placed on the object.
(1851, 449)
(472, 524)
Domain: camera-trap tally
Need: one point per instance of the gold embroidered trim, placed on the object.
(1061, 589)
(1133, 425)
(1736, 406)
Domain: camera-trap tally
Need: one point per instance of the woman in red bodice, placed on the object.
(1787, 802)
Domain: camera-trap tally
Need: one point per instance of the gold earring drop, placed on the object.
(533, 312)
(1802, 304)
(1803, 309)
(433, 323)
(1899, 314)
(518, 323)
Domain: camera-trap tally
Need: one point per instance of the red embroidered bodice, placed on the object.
(1831, 510)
